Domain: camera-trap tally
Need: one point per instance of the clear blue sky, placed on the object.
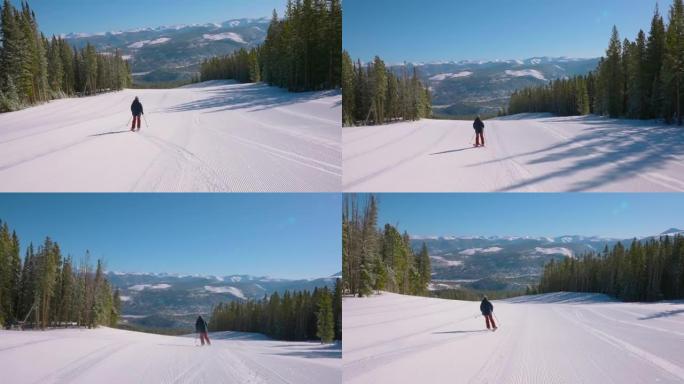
(92, 16)
(279, 235)
(528, 214)
(435, 30)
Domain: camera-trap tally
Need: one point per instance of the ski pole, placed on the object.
(497, 319)
(129, 121)
(145, 118)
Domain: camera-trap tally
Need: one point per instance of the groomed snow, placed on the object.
(556, 338)
(524, 153)
(214, 136)
(225, 36)
(227, 289)
(108, 355)
(526, 73)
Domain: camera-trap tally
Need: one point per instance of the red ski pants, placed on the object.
(490, 318)
(479, 138)
(136, 118)
(204, 336)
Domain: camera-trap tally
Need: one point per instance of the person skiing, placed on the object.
(202, 328)
(478, 125)
(137, 110)
(487, 310)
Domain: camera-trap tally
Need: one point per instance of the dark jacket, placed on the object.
(486, 307)
(136, 108)
(478, 125)
(201, 325)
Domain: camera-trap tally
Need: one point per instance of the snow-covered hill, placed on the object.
(213, 136)
(555, 338)
(108, 355)
(170, 53)
(524, 153)
(164, 300)
(470, 87)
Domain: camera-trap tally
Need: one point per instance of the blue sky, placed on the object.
(435, 30)
(528, 214)
(92, 16)
(280, 235)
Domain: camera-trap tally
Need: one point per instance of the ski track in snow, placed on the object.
(556, 338)
(524, 153)
(213, 136)
(108, 355)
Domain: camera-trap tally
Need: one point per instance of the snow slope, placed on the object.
(212, 136)
(556, 338)
(524, 153)
(107, 355)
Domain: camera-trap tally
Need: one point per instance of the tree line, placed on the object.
(34, 69)
(648, 270)
(379, 259)
(48, 290)
(302, 51)
(298, 315)
(372, 94)
(641, 79)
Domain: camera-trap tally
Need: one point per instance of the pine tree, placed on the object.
(325, 324)
(673, 64)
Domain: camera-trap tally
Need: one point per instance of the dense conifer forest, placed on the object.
(47, 289)
(641, 79)
(648, 270)
(299, 315)
(379, 259)
(35, 69)
(372, 94)
(301, 52)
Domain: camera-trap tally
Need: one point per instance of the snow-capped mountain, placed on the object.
(170, 300)
(513, 259)
(171, 53)
(471, 87)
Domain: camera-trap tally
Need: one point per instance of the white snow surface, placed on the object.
(140, 44)
(225, 36)
(473, 251)
(554, 251)
(524, 153)
(526, 73)
(226, 289)
(444, 76)
(107, 355)
(554, 338)
(216, 136)
(140, 287)
(444, 262)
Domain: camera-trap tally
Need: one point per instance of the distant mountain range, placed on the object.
(505, 263)
(163, 300)
(471, 87)
(171, 53)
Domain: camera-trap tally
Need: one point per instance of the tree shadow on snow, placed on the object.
(329, 351)
(256, 97)
(659, 315)
(627, 148)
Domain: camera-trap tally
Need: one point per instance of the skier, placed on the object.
(487, 310)
(478, 125)
(202, 329)
(137, 110)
